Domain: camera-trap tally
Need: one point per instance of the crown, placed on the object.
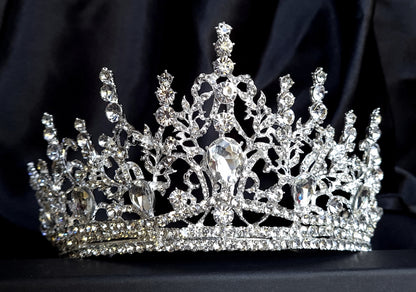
(263, 181)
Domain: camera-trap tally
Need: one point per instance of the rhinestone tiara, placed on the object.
(262, 182)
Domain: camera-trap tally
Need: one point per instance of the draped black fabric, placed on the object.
(52, 51)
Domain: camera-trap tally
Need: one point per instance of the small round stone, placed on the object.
(335, 206)
(287, 100)
(79, 125)
(223, 215)
(318, 111)
(226, 92)
(223, 122)
(82, 139)
(113, 112)
(49, 134)
(288, 117)
(165, 95)
(47, 120)
(105, 75)
(224, 47)
(108, 93)
(318, 93)
(53, 151)
(165, 116)
(223, 66)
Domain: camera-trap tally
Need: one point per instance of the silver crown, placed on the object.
(316, 195)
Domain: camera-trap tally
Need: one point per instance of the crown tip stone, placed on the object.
(222, 181)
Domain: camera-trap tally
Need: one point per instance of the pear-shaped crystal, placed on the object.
(303, 191)
(361, 199)
(142, 197)
(225, 160)
(83, 202)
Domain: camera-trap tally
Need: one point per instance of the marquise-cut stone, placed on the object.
(361, 199)
(142, 197)
(303, 191)
(225, 160)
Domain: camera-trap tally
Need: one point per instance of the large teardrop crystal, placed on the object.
(225, 160)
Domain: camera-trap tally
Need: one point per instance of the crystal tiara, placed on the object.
(261, 182)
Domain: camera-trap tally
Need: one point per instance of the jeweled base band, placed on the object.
(123, 237)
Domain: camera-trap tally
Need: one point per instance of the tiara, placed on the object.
(213, 176)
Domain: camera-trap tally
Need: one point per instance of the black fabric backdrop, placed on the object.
(52, 51)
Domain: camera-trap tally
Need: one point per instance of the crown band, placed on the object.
(322, 196)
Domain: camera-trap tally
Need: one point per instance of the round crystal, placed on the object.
(53, 151)
(105, 75)
(142, 198)
(287, 100)
(108, 93)
(49, 134)
(165, 116)
(286, 82)
(82, 139)
(225, 160)
(288, 117)
(223, 215)
(335, 206)
(113, 112)
(318, 93)
(223, 122)
(223, 66)
(224, 47)
(83, 202)
(223, 29)
(165, 95)
(47, 120)
(226, 92)
(318, 111)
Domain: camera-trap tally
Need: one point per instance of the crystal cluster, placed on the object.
(322, 195)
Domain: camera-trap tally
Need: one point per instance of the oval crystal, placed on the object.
(225, 160)
(83, 202)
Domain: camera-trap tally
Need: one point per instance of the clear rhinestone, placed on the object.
(113, 112)
(224, 47)
(287, 100)
(223, 122)
(49, 134)
(350, 118)
(102, 140)
(108, 93)
(225, 160)
(79, 125)
(223, 215)
(335, 206)
(288, 117)
(82, 139)
(106, 76)
(361, 199)
(226, 92)
(165, 79)
(318, 93)
(319, 76)
(83, 202)
(165, 116)
(47, 120)
(53, 151)
(223, 66)
(303, 190)
(374, 154)
(142, 197)
(165, 95)
(318, 111)
(375, 133)
(286, 82)
(223, 29)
